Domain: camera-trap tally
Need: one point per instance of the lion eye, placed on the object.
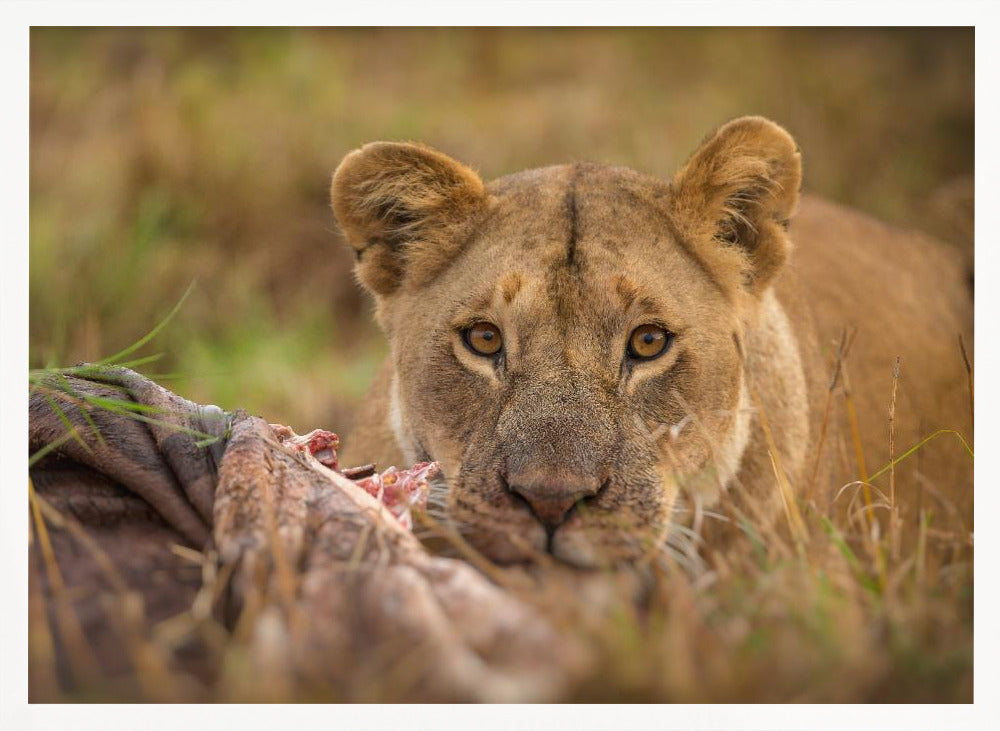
(649, 341)
(483, 338)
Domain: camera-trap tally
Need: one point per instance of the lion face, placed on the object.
(567, 341)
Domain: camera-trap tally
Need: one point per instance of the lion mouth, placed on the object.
(507, 529)
(504, 527)
(551, 522)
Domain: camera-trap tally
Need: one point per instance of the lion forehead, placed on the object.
(556, 209)
(577, 240)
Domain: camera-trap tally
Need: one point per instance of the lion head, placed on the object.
(567, 341)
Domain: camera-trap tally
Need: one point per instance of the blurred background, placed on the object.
(165, 156)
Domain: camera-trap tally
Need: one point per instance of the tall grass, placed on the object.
(826, 605)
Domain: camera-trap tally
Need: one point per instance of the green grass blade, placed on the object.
(120, 355)
(920, 444)
(852, 560)
(48, 448)
(70, 428)
(135, 363)
(121, 406)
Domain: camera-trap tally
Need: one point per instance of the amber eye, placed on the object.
(648, 341)
(483, 338)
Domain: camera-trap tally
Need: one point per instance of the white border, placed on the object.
(505, 12)
(986, 678)
(16, 17)
(502, 717)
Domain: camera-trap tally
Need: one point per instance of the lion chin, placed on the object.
(507, 539)
(573, 546)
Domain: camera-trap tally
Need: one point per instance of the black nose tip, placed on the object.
(552, 497)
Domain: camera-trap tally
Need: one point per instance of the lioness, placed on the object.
(579, 345)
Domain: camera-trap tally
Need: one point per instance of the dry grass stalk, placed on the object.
(843, 348)
(43, 681)
(968, 370)
(894, 507)
(83, 665)
(287, 584)
(127, 614)
(470, 554)
(871, 520)
(791, 508)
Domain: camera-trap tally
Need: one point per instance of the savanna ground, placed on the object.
(162, 157)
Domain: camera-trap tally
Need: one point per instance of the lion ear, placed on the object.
(732, 201)
(403, 208)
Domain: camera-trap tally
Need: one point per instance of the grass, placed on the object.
(163, 156)
(819, 607)
(769, 625)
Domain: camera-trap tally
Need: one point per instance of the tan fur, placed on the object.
(567, 261)
(403, 205)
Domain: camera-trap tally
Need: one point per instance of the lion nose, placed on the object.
(552, 497)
